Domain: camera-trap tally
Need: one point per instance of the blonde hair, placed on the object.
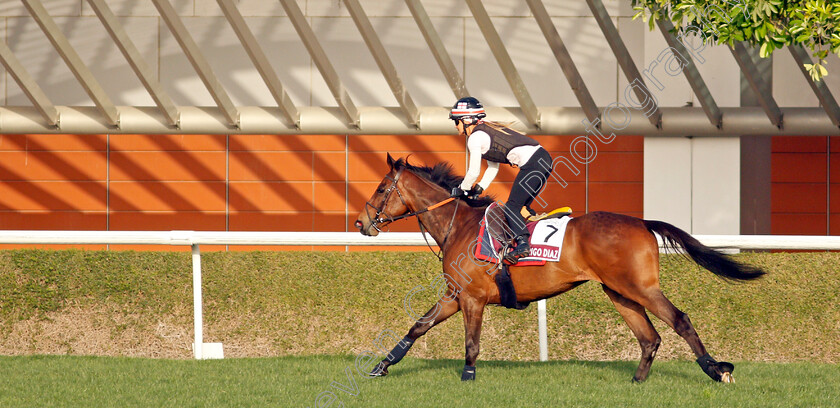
(502, 126)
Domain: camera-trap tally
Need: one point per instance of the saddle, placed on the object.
(495, 238)
(557, 213)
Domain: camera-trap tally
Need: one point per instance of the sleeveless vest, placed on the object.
(502, 141)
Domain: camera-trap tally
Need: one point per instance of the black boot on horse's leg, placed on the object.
(717, 370)
(468, 374)
(394, 357)
(441, 311)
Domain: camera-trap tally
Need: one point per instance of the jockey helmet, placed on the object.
(467, 108)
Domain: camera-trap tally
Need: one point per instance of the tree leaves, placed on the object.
(767, 24)
(817, 71)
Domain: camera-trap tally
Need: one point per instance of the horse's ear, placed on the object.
(390, 160)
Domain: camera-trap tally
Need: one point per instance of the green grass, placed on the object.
(63, 381)
(309, 303)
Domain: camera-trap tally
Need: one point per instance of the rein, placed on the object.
(423, 228)
(427, 209)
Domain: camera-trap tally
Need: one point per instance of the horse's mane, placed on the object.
(443, 175)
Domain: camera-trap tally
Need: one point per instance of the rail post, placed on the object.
(197, 310)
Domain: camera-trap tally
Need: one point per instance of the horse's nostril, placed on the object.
(358, 224)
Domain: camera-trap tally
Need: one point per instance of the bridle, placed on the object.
(381, 217)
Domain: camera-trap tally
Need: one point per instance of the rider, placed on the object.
(496, 143)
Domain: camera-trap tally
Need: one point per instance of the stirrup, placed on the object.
(521, 250)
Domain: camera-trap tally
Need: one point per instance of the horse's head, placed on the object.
(386, 202)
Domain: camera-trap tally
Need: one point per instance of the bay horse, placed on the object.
(618, 251)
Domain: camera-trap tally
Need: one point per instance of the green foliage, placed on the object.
(766, 24)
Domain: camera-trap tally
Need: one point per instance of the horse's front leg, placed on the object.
(441, 311)
(473, 316)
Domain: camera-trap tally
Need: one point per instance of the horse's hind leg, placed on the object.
(441, 311)
(635, 316)
(660, 306)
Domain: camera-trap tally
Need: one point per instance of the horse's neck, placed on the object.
(442, 221)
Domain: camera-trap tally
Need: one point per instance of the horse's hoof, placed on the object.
(726, 369)
(718, 371)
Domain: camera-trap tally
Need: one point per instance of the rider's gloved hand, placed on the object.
(475, 192)
(457, 192)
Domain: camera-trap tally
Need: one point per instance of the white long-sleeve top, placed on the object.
(479, 143)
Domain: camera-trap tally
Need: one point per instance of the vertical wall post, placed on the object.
(198, 318)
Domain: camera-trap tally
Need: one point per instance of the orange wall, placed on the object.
(257, 183)
(805, 191)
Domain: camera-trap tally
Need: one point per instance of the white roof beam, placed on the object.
(260, 61)
(199, 63)
(135, 60)
(348, 108)
(27, 83)
(444, 60)
(384, 62)
(256, 120)
(73, 61)
(505, 62)
(625, 61)
(564, 59)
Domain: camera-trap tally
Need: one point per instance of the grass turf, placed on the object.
(295, 381)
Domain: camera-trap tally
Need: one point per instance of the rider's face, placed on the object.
(460, 126)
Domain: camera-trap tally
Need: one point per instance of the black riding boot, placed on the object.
(521, 250)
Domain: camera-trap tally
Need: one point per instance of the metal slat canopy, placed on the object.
(199, 63)
(565, 60)
(819, 87)
(348, 108)
(631, 72)
(692, 74)
(135, 60)
(74, 62)
(646, 117)
(456, 82)
(255, 52)
(29, 86)
(505, 62)
(762, 89)
(385, 65)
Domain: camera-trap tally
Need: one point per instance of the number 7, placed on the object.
(552, 232)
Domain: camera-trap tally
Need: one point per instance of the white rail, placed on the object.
(196, 238)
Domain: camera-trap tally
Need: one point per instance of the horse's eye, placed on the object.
(380, 189)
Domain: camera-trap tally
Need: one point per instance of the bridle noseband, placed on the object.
(377, 219)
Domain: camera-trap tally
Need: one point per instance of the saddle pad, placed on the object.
(546, 242)
(547, 239)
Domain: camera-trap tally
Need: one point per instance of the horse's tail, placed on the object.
(716, 262)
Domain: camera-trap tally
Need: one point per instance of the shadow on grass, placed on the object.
(455, 366)
(621, 368)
